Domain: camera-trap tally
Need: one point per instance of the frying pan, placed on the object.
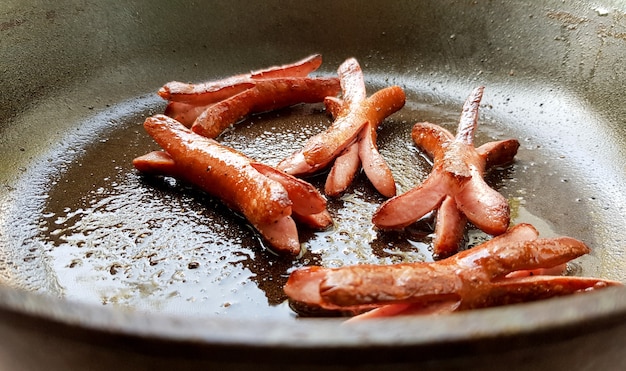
(102, 268)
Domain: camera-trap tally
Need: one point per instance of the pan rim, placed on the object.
(578, 314)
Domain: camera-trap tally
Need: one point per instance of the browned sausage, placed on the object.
(263, 195)
(356, 118)
(472, 278)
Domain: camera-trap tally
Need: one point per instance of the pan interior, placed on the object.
(86, 226)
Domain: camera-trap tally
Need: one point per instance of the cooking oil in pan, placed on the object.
(107, 234)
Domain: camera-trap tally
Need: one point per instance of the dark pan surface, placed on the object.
(131, 270)
(107, 235)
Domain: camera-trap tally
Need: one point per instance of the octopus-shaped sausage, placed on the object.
(211, 107)
(267, 197)
(507, 269)
(351, 138)
(455, 187)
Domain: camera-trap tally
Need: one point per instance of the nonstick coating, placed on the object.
(104, 267)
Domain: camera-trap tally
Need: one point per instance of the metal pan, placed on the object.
(103, 268)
